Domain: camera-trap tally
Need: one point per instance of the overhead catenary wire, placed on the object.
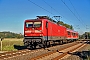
(72, 12)
(44, 8)
(52, 8)
(74, 8)
(76, 11)
(41, 7)
(55, 10)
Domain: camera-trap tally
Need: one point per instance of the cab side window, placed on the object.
(68, 33)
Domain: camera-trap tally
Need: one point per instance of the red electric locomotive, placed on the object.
(43, 32)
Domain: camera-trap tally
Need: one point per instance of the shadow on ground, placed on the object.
(18, 47)
(87, 42)
(82, 54)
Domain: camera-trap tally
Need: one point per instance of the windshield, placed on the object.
(37, 24)
(29, 24)
(33, 24)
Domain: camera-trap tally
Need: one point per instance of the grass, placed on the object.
(8, 44)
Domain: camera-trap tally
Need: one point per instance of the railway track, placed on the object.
(39, 54)
(67, 52)
(12, 54)
(58, 54)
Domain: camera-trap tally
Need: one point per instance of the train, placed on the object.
(43, 32)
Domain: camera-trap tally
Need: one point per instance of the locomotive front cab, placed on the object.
(32, 33)
(33, 28)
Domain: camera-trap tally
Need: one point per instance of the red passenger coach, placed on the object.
(75, 35)
(43, 32)
(71, 35)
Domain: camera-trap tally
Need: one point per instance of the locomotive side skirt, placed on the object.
(54, 37)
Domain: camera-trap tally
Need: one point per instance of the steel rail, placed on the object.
(49, 53)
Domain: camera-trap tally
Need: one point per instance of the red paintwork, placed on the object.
(76, 35)
(71, 36)
(53, 30)
(31, 31)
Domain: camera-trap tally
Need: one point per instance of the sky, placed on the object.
(13, 13)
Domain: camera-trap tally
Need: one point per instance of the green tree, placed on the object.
(10, 35)
(66, 25)
(58, 22)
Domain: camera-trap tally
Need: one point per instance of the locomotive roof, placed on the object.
(32, 20)
(51, 22)
(71, 30)
(43, 19)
